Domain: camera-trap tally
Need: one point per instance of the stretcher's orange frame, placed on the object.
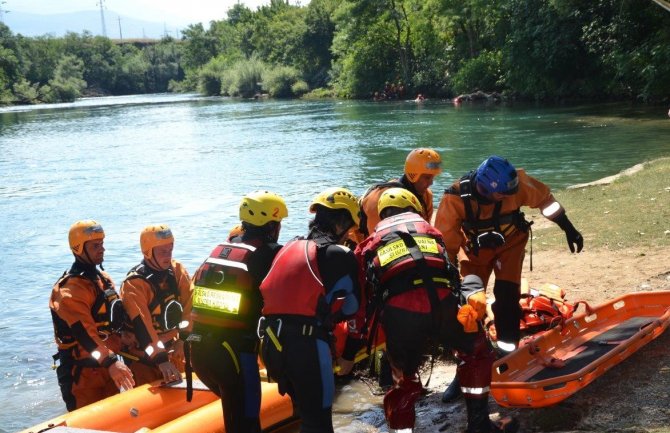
(513, 384)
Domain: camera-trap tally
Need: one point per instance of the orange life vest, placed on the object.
(107, 310)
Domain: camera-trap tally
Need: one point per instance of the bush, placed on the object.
(279, 82)
(479, 73)
(320, 93)
(299, 88)
(6, 97)
(47, 94)
(26, 93)
(68, 83)
(243, 79)
(210, 77)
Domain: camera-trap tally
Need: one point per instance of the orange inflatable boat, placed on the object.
(163, 408)
(561, 361)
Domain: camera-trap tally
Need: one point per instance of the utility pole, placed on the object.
(120, 33)
(102, 17)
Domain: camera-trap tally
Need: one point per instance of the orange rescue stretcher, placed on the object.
(565, 359)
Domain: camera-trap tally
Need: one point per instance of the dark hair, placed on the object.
(266, 232)
(326, 220)
(395, 210)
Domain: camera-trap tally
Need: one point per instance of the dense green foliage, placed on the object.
(50, 69)
(529, 49)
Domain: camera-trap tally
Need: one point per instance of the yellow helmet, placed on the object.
(400, 198)
(260, 207)
(83, 231)
(153, 236)
(338, 198)
(422, 161)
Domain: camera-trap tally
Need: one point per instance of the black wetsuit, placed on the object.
(225, 359)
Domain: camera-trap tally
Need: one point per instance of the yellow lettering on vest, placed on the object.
(397, 249)
(216, 300)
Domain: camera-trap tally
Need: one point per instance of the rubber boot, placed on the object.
(479, 421)
(478, 415)
(452, 392)
(399, 405)
(385, 379)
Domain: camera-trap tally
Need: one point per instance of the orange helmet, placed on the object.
(83, 231)
(338, 198)
(422, 161)
(153, 236)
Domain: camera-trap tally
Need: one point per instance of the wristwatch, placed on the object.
(111, 359)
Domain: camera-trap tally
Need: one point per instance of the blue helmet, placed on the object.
(497, 175)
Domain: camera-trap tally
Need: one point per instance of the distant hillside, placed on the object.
(57, 25)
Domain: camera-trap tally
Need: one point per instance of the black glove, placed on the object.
(572, 235)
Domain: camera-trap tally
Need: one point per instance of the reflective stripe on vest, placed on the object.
(223, 288)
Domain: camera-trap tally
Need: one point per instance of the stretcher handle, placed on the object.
(589, 309)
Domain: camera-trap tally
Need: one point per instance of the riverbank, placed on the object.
(632, 397)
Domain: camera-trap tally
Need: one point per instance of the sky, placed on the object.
(181, 12)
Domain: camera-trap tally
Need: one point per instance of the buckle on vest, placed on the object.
(466, 188)
(491, 239)
(194, 338)
(260, 329)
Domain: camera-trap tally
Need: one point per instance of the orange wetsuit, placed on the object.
(371, 197)
(146, 293)
(85, 342)
(505, 260)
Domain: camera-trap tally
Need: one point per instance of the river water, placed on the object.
(186, 161)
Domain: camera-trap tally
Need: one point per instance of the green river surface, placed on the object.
(186, 161)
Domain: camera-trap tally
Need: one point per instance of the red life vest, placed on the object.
(293, 285)
(392, 268)
(223, 288)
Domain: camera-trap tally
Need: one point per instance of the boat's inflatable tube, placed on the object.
(165, 409)
(565, 359)
(275, 410)
(147, 406)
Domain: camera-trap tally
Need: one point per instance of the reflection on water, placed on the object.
(186, 161)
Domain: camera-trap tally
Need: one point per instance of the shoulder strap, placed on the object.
(465, 187)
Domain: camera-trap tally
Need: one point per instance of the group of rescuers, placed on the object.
(422, 284)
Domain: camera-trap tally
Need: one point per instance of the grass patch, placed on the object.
(632, 211)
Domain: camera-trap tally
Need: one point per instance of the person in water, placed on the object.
(311, 286)
(415, 291)
(480, 216)
(87, 317)
(226, 308)
(157, 296)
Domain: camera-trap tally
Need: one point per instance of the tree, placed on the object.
(68, 81)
